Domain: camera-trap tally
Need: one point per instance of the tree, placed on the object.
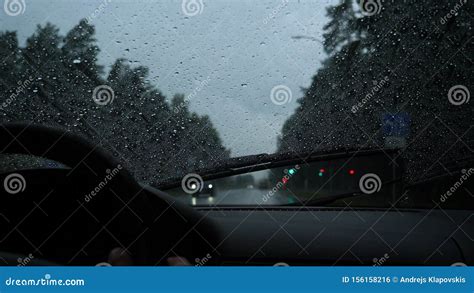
(400, 60)
(154, 140)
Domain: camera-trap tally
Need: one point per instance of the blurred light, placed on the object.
(210, 186)
(292, 171)
(284, 180)
(352, 172)
(193, 186)
(193, 201)
(321, 172)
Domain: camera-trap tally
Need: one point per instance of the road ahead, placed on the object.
(244, 196)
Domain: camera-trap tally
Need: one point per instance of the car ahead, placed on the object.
(203, 191)
(334, 132)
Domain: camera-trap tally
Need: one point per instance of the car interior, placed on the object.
(236, 133)
(55, 219)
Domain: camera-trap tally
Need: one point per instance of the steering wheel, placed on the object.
(119, 207)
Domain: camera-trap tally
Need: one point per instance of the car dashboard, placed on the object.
(342, 236)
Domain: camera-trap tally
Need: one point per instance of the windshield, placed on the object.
(174, 87)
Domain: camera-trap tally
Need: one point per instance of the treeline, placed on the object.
(53, 80)
(404, 58)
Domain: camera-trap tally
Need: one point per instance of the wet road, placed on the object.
(245, 196)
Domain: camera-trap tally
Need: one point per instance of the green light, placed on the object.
(291, 171)
(320, 174)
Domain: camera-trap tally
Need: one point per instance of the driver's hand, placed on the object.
(177, 261)
(120, 257)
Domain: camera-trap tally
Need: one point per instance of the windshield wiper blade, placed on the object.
(450, 169)
(436, 177)
(330, 199)
(265, 161)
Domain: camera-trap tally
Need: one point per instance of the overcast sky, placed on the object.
(244, 49)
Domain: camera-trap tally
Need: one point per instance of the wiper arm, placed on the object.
(264, 161)
(434, 177)
(330, 199)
